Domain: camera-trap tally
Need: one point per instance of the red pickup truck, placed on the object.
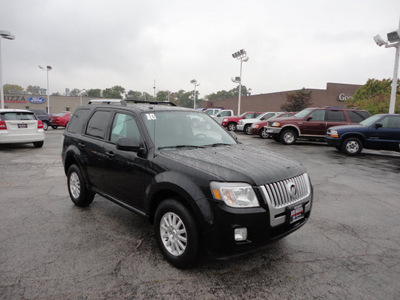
(231, 122)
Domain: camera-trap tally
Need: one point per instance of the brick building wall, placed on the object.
(335, 94)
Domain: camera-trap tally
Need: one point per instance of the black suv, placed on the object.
(43, 116)
(186, 174)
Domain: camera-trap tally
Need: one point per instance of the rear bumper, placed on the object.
(6, 138)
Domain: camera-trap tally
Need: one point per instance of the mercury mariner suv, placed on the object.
(187, 175)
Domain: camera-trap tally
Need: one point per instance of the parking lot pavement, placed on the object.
(51, 249)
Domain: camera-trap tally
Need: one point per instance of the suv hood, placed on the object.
(347, 127)
(235, 163)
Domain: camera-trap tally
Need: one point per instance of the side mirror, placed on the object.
(378, 125)
(128, 144)
(309, 118)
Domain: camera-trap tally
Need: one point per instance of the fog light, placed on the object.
(240, 234)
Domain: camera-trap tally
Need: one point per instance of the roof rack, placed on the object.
(124, 102)
(150, 102)
(107, 101)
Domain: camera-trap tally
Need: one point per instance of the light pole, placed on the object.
(47, 69)
(242, 56)
(6, 35)
(393, 41)
(195, 84)
(80, 94)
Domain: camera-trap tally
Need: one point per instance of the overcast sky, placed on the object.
(291, 44)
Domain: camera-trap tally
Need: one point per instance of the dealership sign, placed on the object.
(342, 97)
(36, 100)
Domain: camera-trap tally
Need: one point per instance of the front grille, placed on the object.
(279, 192)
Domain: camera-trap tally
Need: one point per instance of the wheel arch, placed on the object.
(292, 127)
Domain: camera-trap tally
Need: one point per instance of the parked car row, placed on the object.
(349, 130)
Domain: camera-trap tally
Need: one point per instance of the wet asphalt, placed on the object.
(51, 249)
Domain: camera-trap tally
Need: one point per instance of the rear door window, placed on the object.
(98, 123)
(336, 116)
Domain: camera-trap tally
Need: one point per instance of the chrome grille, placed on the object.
(279, 192)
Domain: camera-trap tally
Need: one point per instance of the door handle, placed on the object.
(110, 154)
(81, 145)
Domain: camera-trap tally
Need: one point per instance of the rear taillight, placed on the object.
(3, 125)
(40, 124)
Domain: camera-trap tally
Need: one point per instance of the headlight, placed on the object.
(276, 124)
(334, 133)
(240, 122)
(234, 194)
(255, 126)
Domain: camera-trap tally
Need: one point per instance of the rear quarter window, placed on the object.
(77, 122)
(357, 116)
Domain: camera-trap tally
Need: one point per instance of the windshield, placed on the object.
(370, 121)
(185, 129)
(302, 113)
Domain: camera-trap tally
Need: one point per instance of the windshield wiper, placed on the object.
(180, 146)
(218, 144)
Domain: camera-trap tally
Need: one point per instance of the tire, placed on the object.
(77, 189)
(45, 125)
(288, 137)
(247, 129)
(264, 134)
(231, 126)
(176, 234)
(339, 148)
(352, 146)
(38, 144)
(54, 126)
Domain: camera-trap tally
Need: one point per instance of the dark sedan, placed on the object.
(379, 132)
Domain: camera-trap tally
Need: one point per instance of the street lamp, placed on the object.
(80, 94)
(47, 69)
(242, 56)
(393, 41)
(195, 84)
(6, 35)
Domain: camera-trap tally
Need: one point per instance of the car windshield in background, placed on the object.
(302, 113)
(19, 116)
(370, 121)
(60, 114)
(185, 129)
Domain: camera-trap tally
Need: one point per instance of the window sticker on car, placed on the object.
(151, 117)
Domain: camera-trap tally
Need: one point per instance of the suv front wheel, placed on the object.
(288, 137)
(176, 234)
(77, 189)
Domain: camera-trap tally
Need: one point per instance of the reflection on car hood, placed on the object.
(234, 163)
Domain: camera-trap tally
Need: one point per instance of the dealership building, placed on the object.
(335, 94)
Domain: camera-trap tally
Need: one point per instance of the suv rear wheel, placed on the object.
(352, 146)
(288, 137)
(247, 129)
(77, 189)
(176, 233)
(45, 125)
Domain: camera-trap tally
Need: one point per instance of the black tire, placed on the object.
(45, 125)
(247, 129)
(276, 138)
(77, 189)
(54, 126)
(38, 144)
(264, 134)
(288, 137)
(231, 126)
(180, 250)
(352, 146)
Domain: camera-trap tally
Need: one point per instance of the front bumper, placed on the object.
(240, 127)
(254, 130)
(333, 141)
(273, 130)
(264, 224)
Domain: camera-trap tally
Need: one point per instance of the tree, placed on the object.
(297, 101)
(74, 93)
(374, 96)
(12, 89)
(229, 94)
(32, 89)
(94, 93)
(115, 92)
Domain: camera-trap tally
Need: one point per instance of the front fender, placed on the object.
(170, 184)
